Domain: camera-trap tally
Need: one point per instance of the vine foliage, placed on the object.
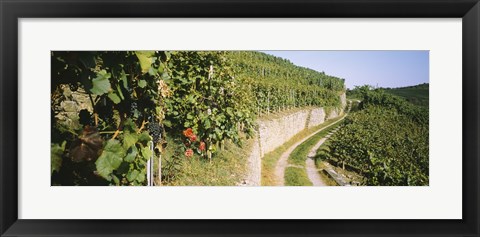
(111, 111)
(107, 109)
(386, 141)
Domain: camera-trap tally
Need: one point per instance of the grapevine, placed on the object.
(386, 141)
(107, 107)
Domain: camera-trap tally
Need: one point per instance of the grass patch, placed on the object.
(228, 166)
(322, 152)
(296, 177)
(270, 159)
(299, 155)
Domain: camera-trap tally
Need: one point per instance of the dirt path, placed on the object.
(312, 170)
(282, 163)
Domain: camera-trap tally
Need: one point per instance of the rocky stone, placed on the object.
(254, 166)
(343, 100)
(273, 133)
(317, 117)
(69, 106)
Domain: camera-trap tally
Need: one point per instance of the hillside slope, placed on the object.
(417, 94)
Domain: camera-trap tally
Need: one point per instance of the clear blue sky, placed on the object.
(382, 68)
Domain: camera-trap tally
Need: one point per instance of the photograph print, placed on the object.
(240, 118)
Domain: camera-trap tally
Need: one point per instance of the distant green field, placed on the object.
(415, 94)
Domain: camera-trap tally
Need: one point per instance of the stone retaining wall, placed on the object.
(273, 133)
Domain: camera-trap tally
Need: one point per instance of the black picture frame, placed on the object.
(11, 11)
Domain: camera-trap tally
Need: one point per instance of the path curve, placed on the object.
(282, 163)
(311, 168)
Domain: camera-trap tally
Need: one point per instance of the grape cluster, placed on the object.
(155, 131)
(152, 119)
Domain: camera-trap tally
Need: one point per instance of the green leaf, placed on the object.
(161, 68)
(110, 159)
(114, 97)
(130, 126)
(142, 176)
(129, 139)
(56, 152)
(167, 55)
(146, 152)
(218, 132)
(120, 93)
(142, 83)
(207, 123)
(116, 180)
(165, 76)
(152, 71)
(123, 78)
(132, 154)
(101, 84)
(159, 110)
(167, 123)
(144, 137)
(145, 59)
(132, 175)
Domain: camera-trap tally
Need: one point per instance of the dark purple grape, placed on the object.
(155, 131)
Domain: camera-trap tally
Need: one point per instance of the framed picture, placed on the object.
(218, 103)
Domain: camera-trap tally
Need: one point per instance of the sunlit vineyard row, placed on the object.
(386, 141)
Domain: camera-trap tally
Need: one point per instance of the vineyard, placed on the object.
(278, 84)
(415, 94)
(166, 117)
(385, 141)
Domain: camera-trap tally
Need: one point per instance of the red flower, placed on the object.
(189, 153)
(188, 132)
(193, 137)
(202, 146)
